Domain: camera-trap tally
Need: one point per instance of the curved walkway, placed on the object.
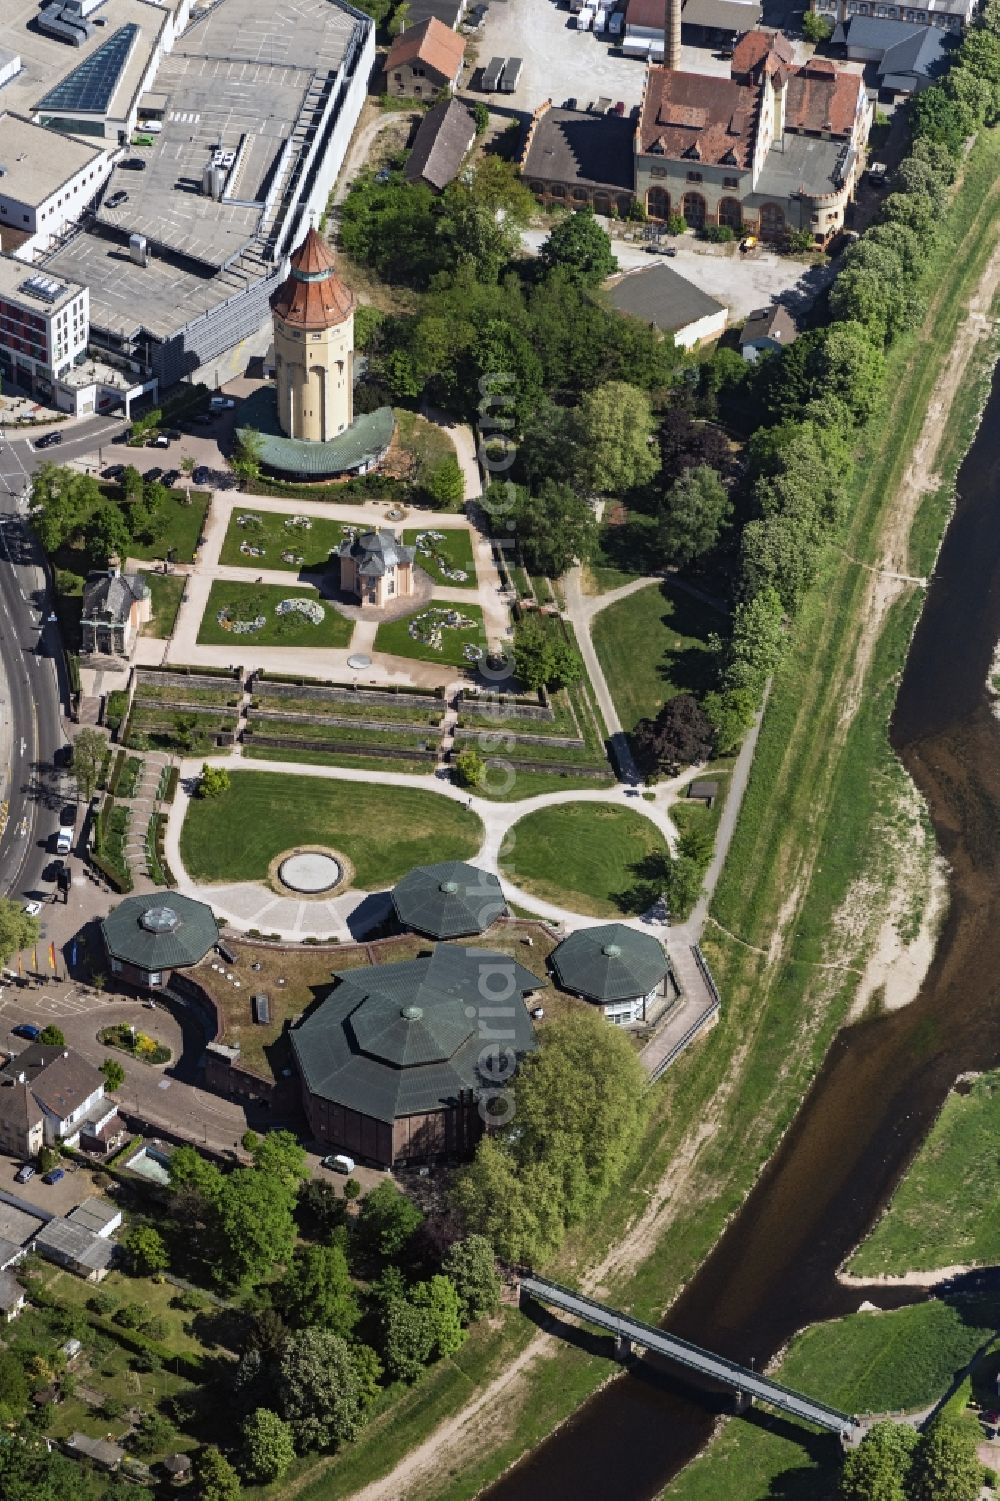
(250, 904)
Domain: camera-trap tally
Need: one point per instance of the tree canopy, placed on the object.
(579, 247)
(326, 1387)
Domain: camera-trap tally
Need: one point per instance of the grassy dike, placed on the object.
(818, 796)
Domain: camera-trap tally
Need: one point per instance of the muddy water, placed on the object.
(883, 1082)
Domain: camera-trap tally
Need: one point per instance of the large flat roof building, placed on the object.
(255, 102)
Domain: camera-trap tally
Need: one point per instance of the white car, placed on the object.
(32, 908)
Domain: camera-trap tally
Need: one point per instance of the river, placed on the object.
(883, 1081)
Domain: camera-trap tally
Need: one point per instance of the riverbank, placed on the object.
(824, 784)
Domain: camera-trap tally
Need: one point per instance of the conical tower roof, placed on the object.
(312, 296)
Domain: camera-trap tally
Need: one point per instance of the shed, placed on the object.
(77, 1249)
(703, 792)
(661, 298)
(12, 1296)
(100, 1451)
(178, 1466)
(99, 1216)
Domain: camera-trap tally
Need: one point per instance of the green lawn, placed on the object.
(181, 529)
(276, 535)
(428, 443)
(450, 549)
(384, 831)
(394, 637)
(248, 600)
(166, 591)
(946, 1211)
(585, 856)
(867, 1362)
(652, 645)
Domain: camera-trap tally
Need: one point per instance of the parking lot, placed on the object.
(57, 1198)
(562, 63)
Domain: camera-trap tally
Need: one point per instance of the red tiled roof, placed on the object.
(822, 98)
(430, 42)
(312, 295)
(754, 46)
(693, 116)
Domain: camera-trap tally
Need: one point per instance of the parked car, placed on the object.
(50, 440)
(116, 199)
(173, 434)
(62, 756)
(570, 103)
(134, 164)
(154, 473)
(341, 1163)
(113, 471)
(222, 403)
(27, 1030)
(32, 908)
(170, 478)
(620, 107)
(124, 436)
(749, 242)
(160, 441)
(657, 249)
(24, 1173)
(54, 1175)
(201, 475)
(64, 840)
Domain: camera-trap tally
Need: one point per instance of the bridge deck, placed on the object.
(716, 1367)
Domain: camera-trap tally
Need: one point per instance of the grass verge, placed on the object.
(583, 856)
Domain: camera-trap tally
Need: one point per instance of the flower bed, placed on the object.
(138, 1045)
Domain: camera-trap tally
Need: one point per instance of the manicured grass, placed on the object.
(867, 1362)
(419, 767)
(450, 549)
(384, 831)
(653, 645)
(946, 1211)
(394, 637)
(280, 630)
(276, 535)
(181, 529)
(166, 591)
(584, 856)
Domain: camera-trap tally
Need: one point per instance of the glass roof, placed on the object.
(91, 86)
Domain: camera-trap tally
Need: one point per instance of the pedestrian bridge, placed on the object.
(628, 1332)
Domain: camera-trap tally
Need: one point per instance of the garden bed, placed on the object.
(268, 539)
(138, 1045)
(244, 614)
(445, 555)
(445, 633)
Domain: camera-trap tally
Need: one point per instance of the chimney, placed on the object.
(672, 35)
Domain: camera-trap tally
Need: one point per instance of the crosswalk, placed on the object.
(184, 116)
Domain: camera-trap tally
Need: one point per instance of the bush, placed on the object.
(718, 234)
(816, 28)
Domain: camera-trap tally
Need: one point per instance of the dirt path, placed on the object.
(434, 1457)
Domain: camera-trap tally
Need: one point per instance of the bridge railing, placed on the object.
(660, 1340)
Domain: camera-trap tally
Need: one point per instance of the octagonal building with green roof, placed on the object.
(614, 967)
(148, 937)
(448, 900)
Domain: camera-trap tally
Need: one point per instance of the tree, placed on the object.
(879, 1468)
(326, 1387)
(61, 501)
(52, 1036)
(407, 1338)
(268, 1447)
(145, 1251)
(543, 657)
(400, 20)
(438, 1297)
(154, 1434)
(520, 1207)
(352, 1190)
(246, 458)
(280, 1153)
(444, 483)
(386, 1220)
(850, 367)
(217, 1480)
(14, 1388)
(697, 509)
(499, 187)
(89, 750)
(214, 781)
(108, 535)
(471, 1266)
(317, 1289)
(946, 1466)
(254, 1225)
(615, 426)
(555, 528)
(17, 930)
(816, 27)
(481, 115)
(680, 735)
(581, 248)
(321, 1206)
(470, 768)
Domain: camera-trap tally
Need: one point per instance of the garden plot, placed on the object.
(270, 615)
(440, 633)
(446, 556)
(264, 539)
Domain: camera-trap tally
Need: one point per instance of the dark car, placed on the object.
(152, 474)
(134, 164)
(122, 437)
(63, 756)
(54, 1175)
(170, 478)
(201, 475)
(49, 441)
(27, 1030)
(113, 471)
(174, 434)
(117, 199)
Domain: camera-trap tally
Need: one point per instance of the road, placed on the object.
(33, 685)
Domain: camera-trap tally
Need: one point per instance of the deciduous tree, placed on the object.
(555, 528)
(543, 657)
(471, 1266)
(326, 1387)
(268, 1448)
(217, 1480)
(17, 930)
(615, 426)
(213, 781)
(946, 1466)
(386, 1220)
(696, 511)
(680, 735)
(580, 248)
(879, 1468)
(317, 1289)
(145, 1251)
(89, 750)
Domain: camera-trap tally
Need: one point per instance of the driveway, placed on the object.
(742, 283)
(561, 62)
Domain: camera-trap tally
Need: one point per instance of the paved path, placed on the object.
(581, 609)
(251, 904)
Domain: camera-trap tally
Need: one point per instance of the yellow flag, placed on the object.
(52, 957)
(34, 958)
